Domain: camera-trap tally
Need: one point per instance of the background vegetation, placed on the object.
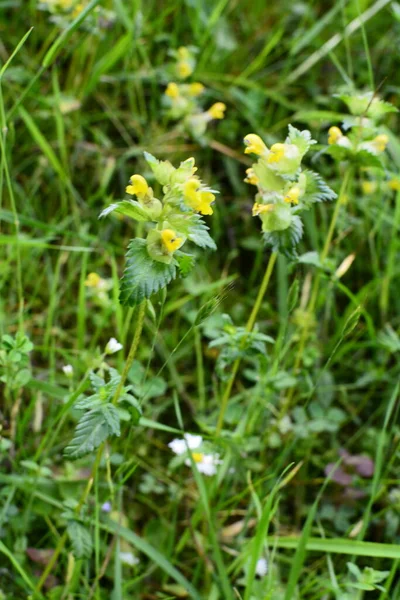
(78, 106)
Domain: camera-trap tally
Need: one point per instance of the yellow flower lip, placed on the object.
(380, 142)
(394, 184)
(172, 90)
(251, 177)
(217, 110)
(292, 196)
(184, 69)
(195, 89)
(334, 134)
(276, 154)
(93, 280)
(199, 200)
(259, 209)
(170, 240)
(138, 187)
(254, 144)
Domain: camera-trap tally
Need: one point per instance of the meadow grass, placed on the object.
(81, 99)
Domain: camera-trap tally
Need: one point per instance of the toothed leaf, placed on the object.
(143, 276)
(285, 241)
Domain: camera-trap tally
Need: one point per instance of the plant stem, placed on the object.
(131, 357)
(249, 327)
(315, 289)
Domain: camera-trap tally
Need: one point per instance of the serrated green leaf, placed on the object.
(81, 539)
(198, 233)
(162, 169)
(301, 139)
(286, 241)
(143, 276)
(185, 263)
(316, 189)
(129, 208)
(93, 428)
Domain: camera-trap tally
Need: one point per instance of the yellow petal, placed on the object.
(138, 187)
(170, 240)
(277, 153)
(217, 110)
(334, 134)
(254, 144)
(172, 90)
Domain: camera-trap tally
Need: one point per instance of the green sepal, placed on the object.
(128, 208)
(278, 219)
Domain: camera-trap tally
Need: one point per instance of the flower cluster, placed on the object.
(172, 219)
(98, 289)
(64, 11)
(183, 99)
(361, 139)
(206, 462)
(284, 189)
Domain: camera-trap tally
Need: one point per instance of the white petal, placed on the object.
(262, 567)
(193, 441)
(128, 558)
(178, 446)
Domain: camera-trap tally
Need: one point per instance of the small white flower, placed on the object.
(180, 446)
(68, 370)
(205, 463)
(262, 567)
(128, 558)
(113, 346)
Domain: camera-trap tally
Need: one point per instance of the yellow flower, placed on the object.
(195, 89)
(170, 240)
(334, 134)
(77, 10)
(251, 177)
(216, 111)
(198, 199)
(292, 196)
(254, 144)
(184, 69)
(394, 184)
(138, 186)
(259, 209)
(368, 187)
(172, 90)
(380, 142)
(197, 457)
(183, 52)
(277, 153)
(93, 280)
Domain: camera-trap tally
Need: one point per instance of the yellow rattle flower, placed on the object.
(292, 196)
(276, 154)
(251, 177)
(380, 142)
(217, 110)
(254, 144)
(334, 134)
(172, 90)
(170, 240)
(195, 89)
(259, 209)
(198, 199)
(93, 280)
(138, 187)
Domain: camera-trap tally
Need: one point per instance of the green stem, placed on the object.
(249, 327)
(314, 293)
(131, 357)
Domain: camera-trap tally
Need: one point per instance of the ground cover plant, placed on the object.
(199, 317)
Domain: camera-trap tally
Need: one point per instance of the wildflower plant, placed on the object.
(182, 98)
(63, 12)
(172, 220)
(284, 188)
(361, 141)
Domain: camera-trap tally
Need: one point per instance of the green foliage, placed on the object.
(285, 241)
(143, 276)
(368, 579)
(81, 539)
(94, 427)
(15, 369)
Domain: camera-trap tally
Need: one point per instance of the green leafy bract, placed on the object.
(285, 241)
(301, 139)
(143, 276)
(316, 189)
(128, 208)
